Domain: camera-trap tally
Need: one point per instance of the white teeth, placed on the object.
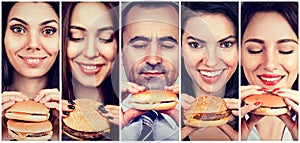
(211, 74)
(87, 67)
(270, 79)
(33, 61)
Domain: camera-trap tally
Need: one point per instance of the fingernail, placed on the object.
(66, 113)
(275, 89)
(263, 89)
(71, 107)
(102, 109)
(280, 92)
(257, 103)
(110, 117)
(71, 102)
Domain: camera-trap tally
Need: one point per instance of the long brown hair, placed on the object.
(109, 88)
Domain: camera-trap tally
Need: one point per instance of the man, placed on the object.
(150, 59)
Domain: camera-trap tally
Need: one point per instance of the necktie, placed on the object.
(148, 119)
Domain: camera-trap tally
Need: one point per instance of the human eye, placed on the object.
(49, 31)
(250, 51)
(286, 52)
(76, 36)
(196, 45)
(106, 38)
(139, 46)
(226, 44)
(167, 45)
(18, 29)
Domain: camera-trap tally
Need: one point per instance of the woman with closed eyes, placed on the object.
(30, 63)
(269, 57)
(90, 47)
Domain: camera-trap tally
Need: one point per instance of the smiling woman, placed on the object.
(90, 48)
(30, 48)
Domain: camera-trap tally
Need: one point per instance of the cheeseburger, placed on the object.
(207, 111)
(154, 100)
(271, 104)
(28, 120)
(85, 122)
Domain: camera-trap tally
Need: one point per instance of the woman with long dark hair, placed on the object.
(30, 61)
(269, 57)
(90, 47)
(209, 63)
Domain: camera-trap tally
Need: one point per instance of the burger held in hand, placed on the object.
(85, 122)
(154, 100)
(271, 104)
(28, 120)
(207, 111)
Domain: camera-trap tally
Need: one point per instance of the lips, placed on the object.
(211, 76)
(270, 79)
(32, 61)
(90, 68)
(152, 73)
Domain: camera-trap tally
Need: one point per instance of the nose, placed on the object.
(212, 56)
(153, 60)
(270, 61)
(90, 49)
(34, 42)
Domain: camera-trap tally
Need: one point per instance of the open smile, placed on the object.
(211, 76)
(32, 61)
(270, 79)
(90, 68)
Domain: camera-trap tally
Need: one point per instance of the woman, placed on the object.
(210, 59)
(30, 57)
(89, 53)
(269, 60)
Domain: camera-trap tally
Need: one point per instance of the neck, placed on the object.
(86, 92)
(28, 86)
(200, 92)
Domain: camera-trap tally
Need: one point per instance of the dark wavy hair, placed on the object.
(7, 68)
(289, 10)
(107, 86)
(229, 10)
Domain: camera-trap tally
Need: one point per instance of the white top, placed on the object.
(254, 135)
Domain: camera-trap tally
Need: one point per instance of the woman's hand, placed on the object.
(9, 98)
(291, 99)
(67, 107)
(111, 112)
(187, 101)
(233, 105)
(247, 125)
(49, 97)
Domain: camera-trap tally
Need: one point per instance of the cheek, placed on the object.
(290, 64)
(231, 58)
(109, 51)
(72, 50)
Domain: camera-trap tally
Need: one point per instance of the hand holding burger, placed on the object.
(207, 111)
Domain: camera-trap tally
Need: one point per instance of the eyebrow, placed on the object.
(168, 38)
(19, 20)
(197, 39)
(105, 29)
(49, 21)
(286, 40)
(255, 40)
(25, 23)
(228, 37)
(77, 27)
(139, 38)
